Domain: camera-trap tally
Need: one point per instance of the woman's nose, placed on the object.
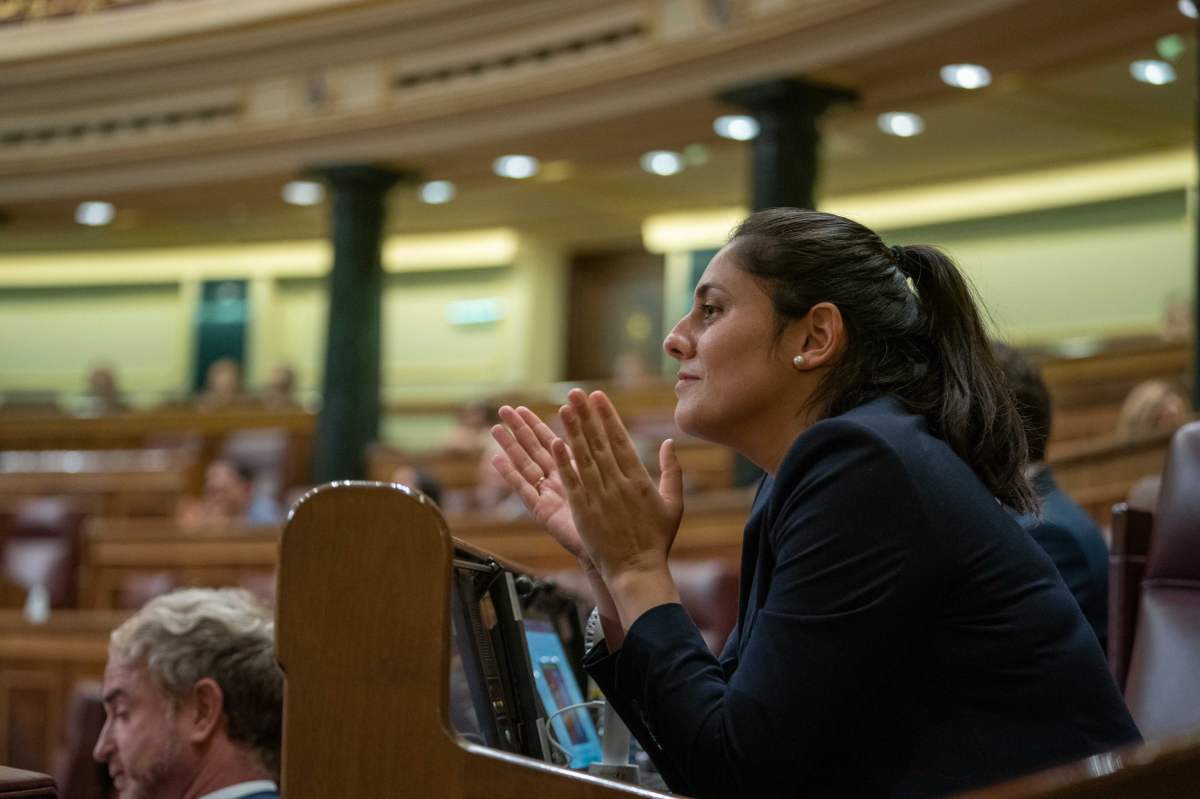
(676, 344)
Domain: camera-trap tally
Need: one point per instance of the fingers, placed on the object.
(585, 464)
(520, 486)
(515, 451)
(571, 482)
(623, 449)
(670, 481)
(534, 434)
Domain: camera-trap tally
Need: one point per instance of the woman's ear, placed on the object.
(818, 338)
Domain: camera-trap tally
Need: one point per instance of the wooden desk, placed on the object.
(208, 430)
(113, 483)
(116, 550)
(1098, 473)
(39, 666)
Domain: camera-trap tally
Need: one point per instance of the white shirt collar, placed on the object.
(242, 789)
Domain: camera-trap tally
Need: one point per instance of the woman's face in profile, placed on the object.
(732, 380)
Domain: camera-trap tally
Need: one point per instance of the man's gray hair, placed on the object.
(224, 634)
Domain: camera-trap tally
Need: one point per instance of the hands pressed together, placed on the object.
(593, 495)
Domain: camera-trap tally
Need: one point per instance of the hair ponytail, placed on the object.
(968, 400)
(923, 343)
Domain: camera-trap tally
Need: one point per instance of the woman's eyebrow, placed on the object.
(704, 289)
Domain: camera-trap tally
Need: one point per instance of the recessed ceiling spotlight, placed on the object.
(1152, 71)
(738, 127)
(966, 76)
(900, 123)
(662, 162)
(303, 192)
(95, 213)
(1188, 8)
(436, 192)
(517, 167)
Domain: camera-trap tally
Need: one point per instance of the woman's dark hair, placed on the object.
(913, 328)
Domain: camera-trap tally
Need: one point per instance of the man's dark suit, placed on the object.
(898, 635)
(1073, 542)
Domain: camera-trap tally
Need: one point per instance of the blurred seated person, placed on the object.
(1064, 531)
(280, 391)
(471, 432)
(103, 395)
(1153, 406)
(229, 498)
(222, 385)
(194, 699)
(630, 372)
(411, 476)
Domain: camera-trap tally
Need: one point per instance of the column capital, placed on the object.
(362, 176)
(777, 93)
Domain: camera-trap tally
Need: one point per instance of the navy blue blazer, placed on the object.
(1073, 542)
(898, 635)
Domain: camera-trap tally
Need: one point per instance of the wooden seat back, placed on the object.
(363, 638)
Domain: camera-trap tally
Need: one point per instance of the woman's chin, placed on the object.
(686, 421)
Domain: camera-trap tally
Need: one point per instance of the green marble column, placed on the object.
(786, 149)
(349, 418)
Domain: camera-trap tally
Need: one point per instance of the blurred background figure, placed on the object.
(1066, 533)
(229, 498)
(470, 432)
(630, 372)
(411, 476)
(103, 395)
(280, 391)
(222, 385)
(1154, 406)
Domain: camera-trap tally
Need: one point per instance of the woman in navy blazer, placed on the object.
(898, 633)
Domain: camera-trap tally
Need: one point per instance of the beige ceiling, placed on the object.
(1062, 94)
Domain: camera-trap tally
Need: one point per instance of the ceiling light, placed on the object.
(436, 192)
(303, 192)
(662, 162)
(1188, 8)
(95, 213)
(517, 167)
(738, 127)
(901, 123)
(1149, 70)
(966, 76)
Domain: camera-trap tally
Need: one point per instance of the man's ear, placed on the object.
(819, 337)
(205, 710)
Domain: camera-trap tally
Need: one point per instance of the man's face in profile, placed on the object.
(139, 741)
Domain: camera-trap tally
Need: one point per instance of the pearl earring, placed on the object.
(798, 362)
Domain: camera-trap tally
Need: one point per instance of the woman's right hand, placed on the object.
(525, 440)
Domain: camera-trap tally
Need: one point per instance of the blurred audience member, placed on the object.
(1066, 533)
(103, 395)
(411, 476)
(194, 699)
(630, 372)
(472, 430)
(1178, 320)
(229, 498)
(222, 385)
(1153, 406)
(281, 388)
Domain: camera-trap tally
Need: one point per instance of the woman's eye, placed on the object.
(708, 311)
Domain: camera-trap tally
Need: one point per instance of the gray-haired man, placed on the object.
(194, 699)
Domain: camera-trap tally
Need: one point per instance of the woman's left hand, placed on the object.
(626, 522)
